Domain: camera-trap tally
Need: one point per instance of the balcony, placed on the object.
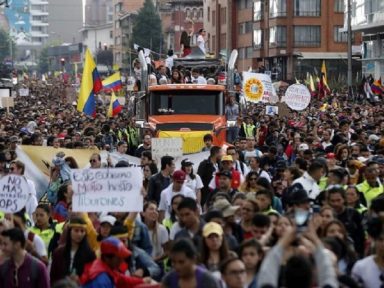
(38, 2)
(38, 13)
(39, 34)
(38, 23)
(367, 16)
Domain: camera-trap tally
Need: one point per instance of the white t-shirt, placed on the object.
(166, 198)
(367, 272)
(201, 43)
(194, 184)
(176, 228)
(198, 80)
(38, 243)
(31, 204)
(161, 238)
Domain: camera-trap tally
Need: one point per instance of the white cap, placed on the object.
(303, 147)
(373, 137)
(108, 219)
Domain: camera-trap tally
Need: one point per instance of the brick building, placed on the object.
(287, 37)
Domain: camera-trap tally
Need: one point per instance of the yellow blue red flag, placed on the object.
(114, 106)
(90, 85)
(113, 82)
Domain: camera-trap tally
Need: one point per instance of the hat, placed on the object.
(298, 196)
(13, 139)
(225, 207)
(108, 219)
(114, 246)
(373, 137)
(303, 147)
(178, 175)
(227, 158)
(331, 156)
(212, 228)
(225, 174)
(186, 162)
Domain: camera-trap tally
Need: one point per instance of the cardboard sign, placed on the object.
(257, 87)
(297, 97)
(107, 190)
(283, 109)
(7, 102)
(167, 147)
(271, 110)
(24, 92)
(14, 192)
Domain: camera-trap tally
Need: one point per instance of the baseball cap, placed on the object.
(303, 147)
(225, 173)
(178, 175)
(114, 246)
(227, 158)
(186, 162)
(299, 196)
(13, 139)
(108, 219)
(373, 137)
(212, 228)
(225, 207)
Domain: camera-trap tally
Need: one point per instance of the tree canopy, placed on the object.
(147, 28)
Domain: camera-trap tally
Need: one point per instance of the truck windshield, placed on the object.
(186, 102)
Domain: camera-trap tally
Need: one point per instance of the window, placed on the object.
(311, 8)
(208, 14)
(241, 53)
(213, 18)
(117, 24)
(258, 10)
(111, 34)
(278, 36)
(245, 27)
(118, 7)
(277, 8)
(249, 52)
(223, 16)
(339, 36)
(188, 12)
(339, 6)
(244, 4)
(213, 43)
(307, 36)
(257, 38)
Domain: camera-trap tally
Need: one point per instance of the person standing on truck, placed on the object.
(232, 111)
(185, 40)
(201, 40)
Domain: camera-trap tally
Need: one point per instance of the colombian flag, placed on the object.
(114, 107)
(90, 85)
(113, 82)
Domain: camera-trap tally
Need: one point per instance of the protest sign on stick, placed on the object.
(14, 192)
(297, 97)
(107, 190)
(166, 147)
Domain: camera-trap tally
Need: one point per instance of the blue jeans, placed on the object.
(232, 134)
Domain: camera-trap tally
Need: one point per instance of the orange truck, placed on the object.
(189, 111)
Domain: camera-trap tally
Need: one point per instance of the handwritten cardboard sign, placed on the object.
(297, 97)
(14, 192)
(107, 190)
(167, 147)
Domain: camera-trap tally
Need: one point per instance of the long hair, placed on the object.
(83, 255)
(224, 251)
(192, 175)
(154, 239)
(62, 190)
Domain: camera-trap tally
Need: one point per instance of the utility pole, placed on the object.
(349, 75)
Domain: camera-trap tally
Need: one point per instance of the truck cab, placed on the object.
(188, 111)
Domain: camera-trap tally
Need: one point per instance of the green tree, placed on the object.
(147, 28)
(44, 60)
(104, 57)
(5, 48)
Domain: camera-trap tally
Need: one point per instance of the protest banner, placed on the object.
(107, 190)
(297, 97)
(166, 147)
(14, 192)
(257, 87)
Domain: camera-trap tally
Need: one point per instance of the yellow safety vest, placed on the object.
(369, 192)
(133, 136)
(248, 129)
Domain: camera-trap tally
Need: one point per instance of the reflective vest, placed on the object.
(361, 208)
(122, 135)
(133, 136)
(249, 130)
(47, 234)
(369, 192)
(270, 210)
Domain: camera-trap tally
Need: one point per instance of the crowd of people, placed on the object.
(290, 201)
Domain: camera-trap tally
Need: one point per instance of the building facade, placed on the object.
(97, 37)
(98, 12)
(286, 37)
(368, 18)
(65, 20)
